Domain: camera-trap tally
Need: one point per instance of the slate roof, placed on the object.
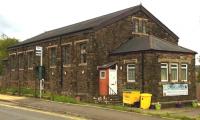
(149, 43)
(94, 23)
(106, 65)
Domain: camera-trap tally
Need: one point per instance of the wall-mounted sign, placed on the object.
(175, 89)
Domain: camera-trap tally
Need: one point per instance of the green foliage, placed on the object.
(66, 99)
(4, 44)
(12, 91)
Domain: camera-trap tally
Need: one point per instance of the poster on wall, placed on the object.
(175, 89)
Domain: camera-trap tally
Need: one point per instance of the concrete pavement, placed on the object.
(89, 112)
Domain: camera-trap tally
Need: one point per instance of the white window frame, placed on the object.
(171, 71)
(102, 77)
(186, 68)
(128, 80)
(167, 71)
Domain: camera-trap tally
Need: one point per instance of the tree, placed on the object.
(5, 42)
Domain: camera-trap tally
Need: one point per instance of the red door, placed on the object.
(103, 81)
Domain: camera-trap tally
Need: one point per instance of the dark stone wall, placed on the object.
(82, 79)
(78, 79)
(152, 75)
(122, 61)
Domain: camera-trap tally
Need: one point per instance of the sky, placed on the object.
(24, 19)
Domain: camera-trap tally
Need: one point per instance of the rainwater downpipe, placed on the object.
(142, 72)
(61, 64)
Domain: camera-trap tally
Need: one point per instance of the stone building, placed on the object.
(136, 49)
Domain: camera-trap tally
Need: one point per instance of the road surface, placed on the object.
(10, 112)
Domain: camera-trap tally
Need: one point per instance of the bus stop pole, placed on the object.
(41, 81)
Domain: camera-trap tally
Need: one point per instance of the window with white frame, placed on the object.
(184, 72)
(164, 72)
(130, 72)
(102, 74)
(174, 72)
(139, 25)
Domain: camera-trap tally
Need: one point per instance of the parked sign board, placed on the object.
(175, 89)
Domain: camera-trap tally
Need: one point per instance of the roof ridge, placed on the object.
(92, 24)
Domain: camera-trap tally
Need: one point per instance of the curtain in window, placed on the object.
(174, 74)
(163, 73)
(183, 74)
(131, 74)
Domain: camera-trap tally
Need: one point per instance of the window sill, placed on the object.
(30, 68)
(178, 82)
(164, 81)
(69, 65)
(139, 33)
(52, 66)
(131, 81)
(174, 81)
(184, 81)
(82, 64)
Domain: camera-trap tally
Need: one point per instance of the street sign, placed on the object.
(38, 51)
(38, 48)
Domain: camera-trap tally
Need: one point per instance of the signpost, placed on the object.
(39, 52)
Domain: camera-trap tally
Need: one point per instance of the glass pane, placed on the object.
(183, 74)
(163, 65)
(30, 59)
(174, 66)
(66, 55)
(163, 74)
(140, 26)
(174, 74)
(136, 25)
(131, 65)
(131, 74)
(144, 27)
(53, 56)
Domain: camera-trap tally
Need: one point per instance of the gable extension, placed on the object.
(149, 43)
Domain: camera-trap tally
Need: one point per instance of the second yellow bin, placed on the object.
(145, 101)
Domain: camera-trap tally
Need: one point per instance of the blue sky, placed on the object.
(23, 19)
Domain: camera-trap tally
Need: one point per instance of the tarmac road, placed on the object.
(56, 111)
(10, 112)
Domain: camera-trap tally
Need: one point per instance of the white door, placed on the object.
(112, 81)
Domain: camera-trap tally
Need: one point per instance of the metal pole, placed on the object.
(41, 79)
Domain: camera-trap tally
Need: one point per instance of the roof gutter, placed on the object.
(46, 39)
(122, 53)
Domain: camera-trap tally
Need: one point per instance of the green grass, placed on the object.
(12, 91)
(65, 99)
(68, 99)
